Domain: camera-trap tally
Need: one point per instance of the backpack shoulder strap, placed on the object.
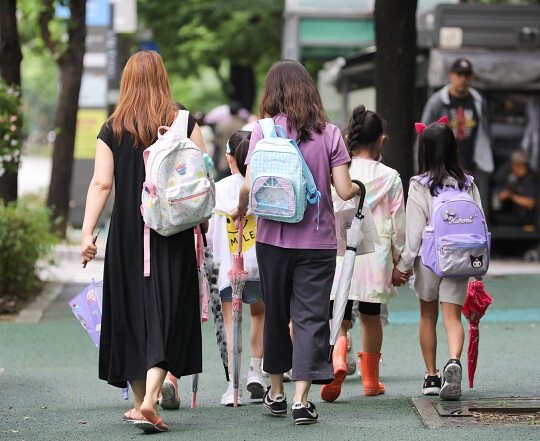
(268, 127)
(180, 125)
(422, 179)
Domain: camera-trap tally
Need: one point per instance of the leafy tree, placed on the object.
(242, 35)
(10, 69)
(395, 68)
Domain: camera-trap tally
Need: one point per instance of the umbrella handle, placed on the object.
(362, 197)
(240, 233)
(203, 234)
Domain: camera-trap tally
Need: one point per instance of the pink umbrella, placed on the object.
(237, 276)
(474, 308)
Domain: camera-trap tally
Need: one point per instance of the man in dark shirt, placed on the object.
(467, 115)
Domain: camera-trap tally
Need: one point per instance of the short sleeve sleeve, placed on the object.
(191, 124)
(256, 136)
(106, 135)
(339, 154)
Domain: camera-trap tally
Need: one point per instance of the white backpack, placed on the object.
(179, 191)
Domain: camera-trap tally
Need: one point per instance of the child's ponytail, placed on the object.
(238, 147)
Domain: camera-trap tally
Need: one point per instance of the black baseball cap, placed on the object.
(462, 65)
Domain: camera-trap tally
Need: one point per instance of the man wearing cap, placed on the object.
(467, 115)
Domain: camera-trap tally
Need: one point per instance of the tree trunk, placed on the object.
(70, 65)
(395, 70)
(10, 69)
(243, 82)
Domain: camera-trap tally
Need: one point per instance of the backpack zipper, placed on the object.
(202, 193)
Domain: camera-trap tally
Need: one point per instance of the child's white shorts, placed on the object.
(429, 286)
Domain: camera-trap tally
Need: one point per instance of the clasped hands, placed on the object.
(399, 278)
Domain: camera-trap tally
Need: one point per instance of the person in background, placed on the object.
(150, 325)
(224, 131)
(467, 114)
(297, 260)
(222, 237)
(515, 198)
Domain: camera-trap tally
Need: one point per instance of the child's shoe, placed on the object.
(227, 399)
(330, 392)
(349, 359)
(451, 386)
(369, 362)
(432, 384)
(169, 393)
(255, 383)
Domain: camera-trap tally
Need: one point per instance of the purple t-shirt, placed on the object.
(323, 152)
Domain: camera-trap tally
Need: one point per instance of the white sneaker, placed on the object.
(255, 383)
(227, 399)
(349, 358)
(351, 364)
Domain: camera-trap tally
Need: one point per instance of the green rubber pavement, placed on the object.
(49, 388)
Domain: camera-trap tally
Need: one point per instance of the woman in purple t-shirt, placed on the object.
(297, 261)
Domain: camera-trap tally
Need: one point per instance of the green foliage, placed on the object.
(10, 127)
(28, 25)
(201, 93)
(39, 96)
(25, 239)
(194, 35)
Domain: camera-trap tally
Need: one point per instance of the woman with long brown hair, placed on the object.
(297, 260)
(150, 325)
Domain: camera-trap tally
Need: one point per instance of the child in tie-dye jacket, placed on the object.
(371, 283)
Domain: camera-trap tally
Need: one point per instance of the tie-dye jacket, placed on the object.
(372, 278)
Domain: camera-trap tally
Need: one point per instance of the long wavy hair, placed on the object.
(145, 101)
(438, 156)
(289, 89)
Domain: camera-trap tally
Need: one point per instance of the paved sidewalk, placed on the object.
(49, 388)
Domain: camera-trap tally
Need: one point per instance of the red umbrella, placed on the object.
(237, 276)
(474, 308)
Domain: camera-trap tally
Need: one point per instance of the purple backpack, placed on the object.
(456, 242)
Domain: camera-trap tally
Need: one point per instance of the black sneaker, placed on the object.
(304, 414)
(276, 405)
(432, 384)
(451, 387)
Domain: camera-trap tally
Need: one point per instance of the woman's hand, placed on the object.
(88, 249)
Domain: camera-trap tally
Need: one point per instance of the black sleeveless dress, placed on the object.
(146, 321)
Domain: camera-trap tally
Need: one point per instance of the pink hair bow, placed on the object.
(420, 127)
